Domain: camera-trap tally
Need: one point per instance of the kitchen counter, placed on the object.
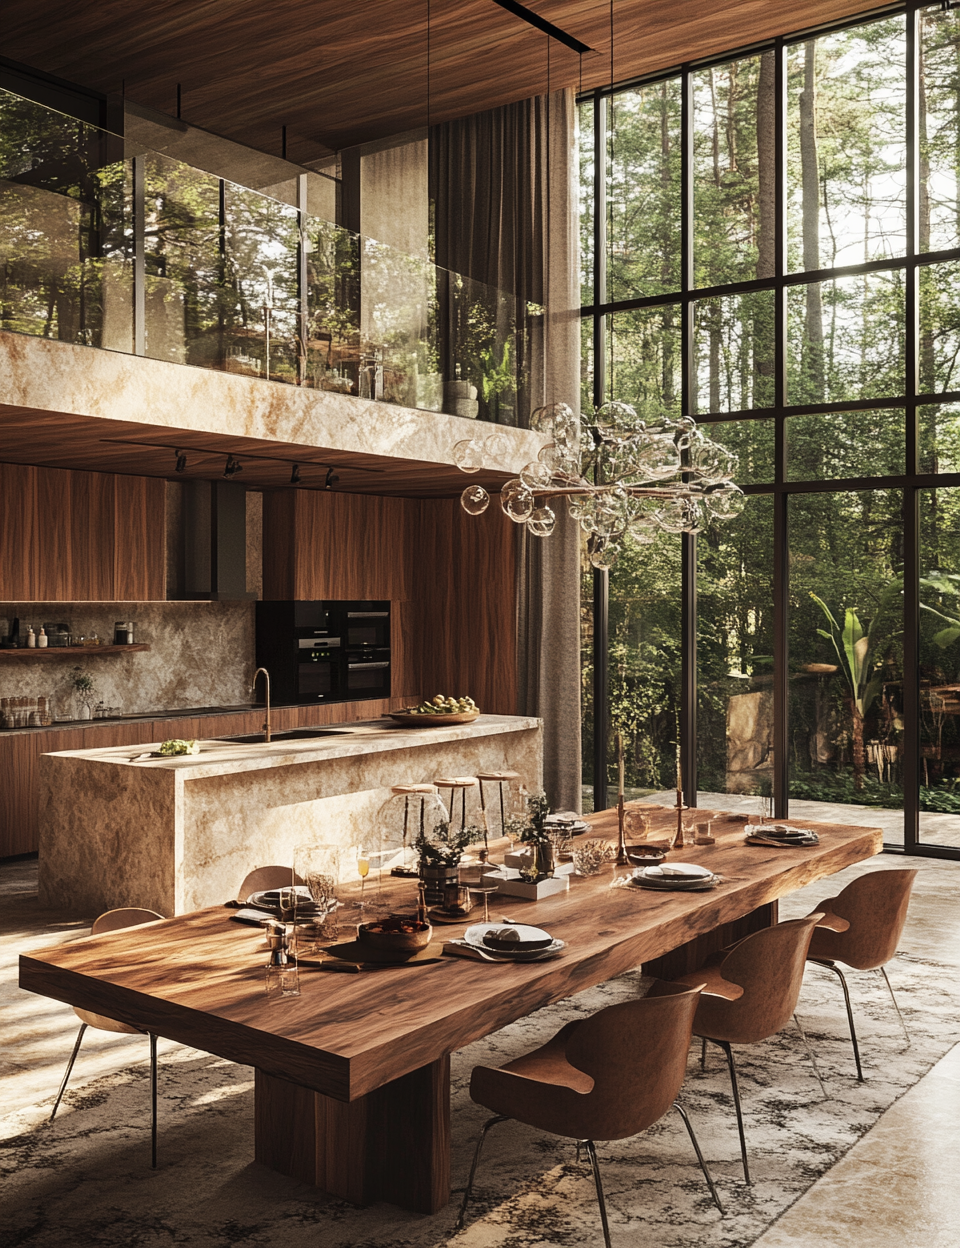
(177, 834)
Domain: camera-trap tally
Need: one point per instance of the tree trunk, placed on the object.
(767, 166)
(763, 361)
(859, 756)
(812, 363)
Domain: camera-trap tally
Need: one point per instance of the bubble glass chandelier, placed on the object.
(618, 476)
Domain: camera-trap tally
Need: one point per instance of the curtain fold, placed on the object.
(504, 187)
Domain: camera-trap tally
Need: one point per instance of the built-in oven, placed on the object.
(325, 651)
(366, 628)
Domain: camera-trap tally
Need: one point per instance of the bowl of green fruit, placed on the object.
(437, 711)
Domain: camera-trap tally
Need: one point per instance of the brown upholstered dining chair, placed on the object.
(115, 921)
(861, 927)
(261, 878)
(601, 1078)
(750, 993)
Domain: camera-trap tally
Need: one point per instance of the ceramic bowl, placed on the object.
(398, 933)
(645, 855)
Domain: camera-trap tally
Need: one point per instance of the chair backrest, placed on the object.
(875, 906)
(262, 878)
(636, 1054)
(116, 920)
(768, 965)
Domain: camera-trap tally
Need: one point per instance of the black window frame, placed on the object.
(911, 482)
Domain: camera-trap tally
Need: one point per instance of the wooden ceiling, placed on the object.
(338, 74)
(56, 440)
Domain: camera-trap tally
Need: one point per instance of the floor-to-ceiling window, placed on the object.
(771, 243)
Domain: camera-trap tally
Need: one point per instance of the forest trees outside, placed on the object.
(845, 342)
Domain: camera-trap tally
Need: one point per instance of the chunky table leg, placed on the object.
(692, 955)
(393, 1144)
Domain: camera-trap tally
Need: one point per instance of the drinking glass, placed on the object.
(636, 824)
(320, 868)
(479, 880)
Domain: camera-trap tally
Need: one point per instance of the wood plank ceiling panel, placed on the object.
(55, 440)
(338, 74)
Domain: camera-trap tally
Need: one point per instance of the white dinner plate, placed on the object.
(473, 936)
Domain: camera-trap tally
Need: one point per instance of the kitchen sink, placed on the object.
(295, 734)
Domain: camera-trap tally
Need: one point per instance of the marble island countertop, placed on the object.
(181, 833)
(324, 743)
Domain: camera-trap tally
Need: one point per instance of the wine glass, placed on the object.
(482, 882)
(363, 870)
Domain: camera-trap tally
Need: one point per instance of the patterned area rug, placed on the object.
(86, 1178)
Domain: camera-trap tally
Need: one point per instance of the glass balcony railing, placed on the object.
(133, 251)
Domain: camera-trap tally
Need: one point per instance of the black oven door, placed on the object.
(318, 669)
(368, 628)
(367, 675)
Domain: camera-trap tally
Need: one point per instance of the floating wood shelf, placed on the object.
(64, 652)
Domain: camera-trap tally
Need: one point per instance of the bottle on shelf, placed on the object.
(31, 638)
(42, 639)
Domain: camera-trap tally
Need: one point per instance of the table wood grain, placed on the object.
(198, 979)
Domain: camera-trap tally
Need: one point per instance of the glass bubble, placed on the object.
(474, 500)
(617, 417)
(659, 459)
(545, 419)
(517, 501)
(672, 516)
(542, 521)
(536, 475)
(497, 445)
(603, 553)
(724, 502)
(468, 455)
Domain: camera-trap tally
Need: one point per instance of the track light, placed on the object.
(331, 479)
(295, 475)
(232, 467)
(181, 461)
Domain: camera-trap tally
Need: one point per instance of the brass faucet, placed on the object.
(266, 722)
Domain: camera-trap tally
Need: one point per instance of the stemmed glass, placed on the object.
(481, 882)
(363, 869)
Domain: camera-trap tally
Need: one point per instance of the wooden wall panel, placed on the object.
(465, 604)
(450, 578)
(80, 536)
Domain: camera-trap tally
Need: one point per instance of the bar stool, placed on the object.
(499, 778)
(458, 785)
(410, 810)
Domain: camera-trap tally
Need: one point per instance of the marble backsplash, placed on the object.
(201, 655)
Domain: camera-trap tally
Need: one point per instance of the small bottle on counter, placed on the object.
(42, 639)
(31, 638)
(281, 976)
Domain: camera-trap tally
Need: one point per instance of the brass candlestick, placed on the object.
(622, 859)
(678, 839)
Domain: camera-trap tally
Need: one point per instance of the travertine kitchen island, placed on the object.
(178, 834)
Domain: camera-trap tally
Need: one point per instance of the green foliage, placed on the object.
(445, 845)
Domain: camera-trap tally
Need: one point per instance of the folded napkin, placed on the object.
(249, 915)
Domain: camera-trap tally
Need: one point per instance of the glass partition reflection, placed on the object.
(130, 250)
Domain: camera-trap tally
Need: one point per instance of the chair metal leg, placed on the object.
(592, 1152)
(703, 1053)
(813, 1060)
(63, 1085)
(724, 1044)
(491, 1122)
(153, 1099)
(832, 966)
(696, 1148)
(883, 972)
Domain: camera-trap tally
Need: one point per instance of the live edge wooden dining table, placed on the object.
(353, 1076)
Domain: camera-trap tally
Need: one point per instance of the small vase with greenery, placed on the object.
(83, 687)
(531, 830)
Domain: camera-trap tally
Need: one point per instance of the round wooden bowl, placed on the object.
(410, 720)
(393, 939)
